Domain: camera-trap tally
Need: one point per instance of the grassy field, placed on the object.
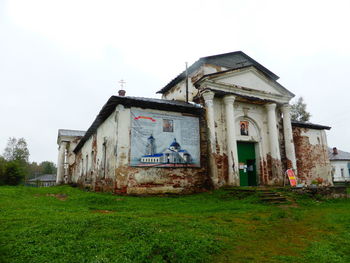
(63, 224)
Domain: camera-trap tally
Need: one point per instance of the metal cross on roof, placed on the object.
(122, 83)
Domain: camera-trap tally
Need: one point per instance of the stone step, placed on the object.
(232, 189)
(269, 194)
(276, 203)
(273, 199)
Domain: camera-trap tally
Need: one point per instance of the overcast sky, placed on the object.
(61, 60)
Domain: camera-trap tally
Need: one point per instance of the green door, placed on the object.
(247, 166)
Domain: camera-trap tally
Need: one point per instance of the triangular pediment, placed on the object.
(251, 79)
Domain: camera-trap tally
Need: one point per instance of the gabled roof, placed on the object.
(341, 156)
(310, 125)
(145, 103)
(232, 60)
(44, 178)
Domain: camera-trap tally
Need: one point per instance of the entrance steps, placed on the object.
(265, 195)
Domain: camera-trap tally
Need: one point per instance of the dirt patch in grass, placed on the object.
(100, 211)
(62, 197)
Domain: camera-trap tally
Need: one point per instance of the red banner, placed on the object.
(144, 117)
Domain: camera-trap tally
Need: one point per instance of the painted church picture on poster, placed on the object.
(164, 140)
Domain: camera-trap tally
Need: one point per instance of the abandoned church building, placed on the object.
(225, 122)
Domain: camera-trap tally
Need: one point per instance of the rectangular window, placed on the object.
(92, 165)
(342, 172)
(87, 163)
(104, 157)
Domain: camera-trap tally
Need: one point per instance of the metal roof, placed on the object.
(71, 133)
(44, 178)
(310, 125)
(341, 156)
(232, 60)
(145, 103)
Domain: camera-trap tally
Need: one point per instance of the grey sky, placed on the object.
(61, 60)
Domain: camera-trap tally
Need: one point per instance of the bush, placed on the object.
(13, 173)
(2, 170)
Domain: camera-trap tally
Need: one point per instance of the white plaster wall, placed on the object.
(210, 69)
(315, 136)
(255, 114)
(250, 78)
(123, 122)
(337, 175)
(178, 92)
(106, 132)
(81, 163)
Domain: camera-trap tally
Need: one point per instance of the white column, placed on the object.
(60, 163)
(233, 178)
(288, 138)
(273, 133)
(208, 98)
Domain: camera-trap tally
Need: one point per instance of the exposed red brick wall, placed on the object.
(312, 159)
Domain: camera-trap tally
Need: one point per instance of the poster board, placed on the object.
(292, 178)
(164, 139)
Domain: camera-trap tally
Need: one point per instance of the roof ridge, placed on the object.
(224, 54)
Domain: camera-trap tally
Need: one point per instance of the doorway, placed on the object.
(247, 163)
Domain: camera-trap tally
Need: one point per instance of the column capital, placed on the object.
(285, 107)
(61, 142)
(229, 99)
(270, 106)
(208, 95)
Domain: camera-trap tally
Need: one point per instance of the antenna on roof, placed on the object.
(186, 83)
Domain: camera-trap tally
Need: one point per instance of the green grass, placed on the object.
(63, 224)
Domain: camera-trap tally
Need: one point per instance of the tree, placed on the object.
(34, 169)
(48, 167)
(14, 173)
(2, 170)
(16, 150)
(298, 111)
(14, 164)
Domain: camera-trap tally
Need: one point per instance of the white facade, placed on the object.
(340, 171)
(340, 162)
